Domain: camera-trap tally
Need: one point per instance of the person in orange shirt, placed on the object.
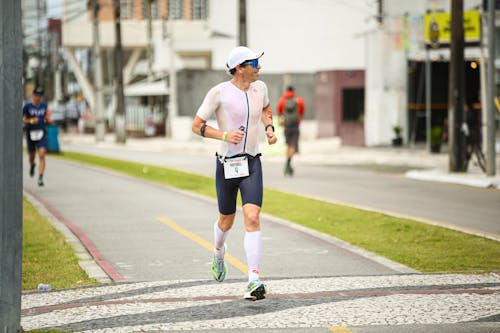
(291, 109)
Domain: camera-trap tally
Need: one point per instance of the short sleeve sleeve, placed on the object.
(266, 95)
(210, 104)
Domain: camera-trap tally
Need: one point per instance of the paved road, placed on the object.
(470, 208)
(148, 232)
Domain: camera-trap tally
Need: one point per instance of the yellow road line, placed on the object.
(339, 329)
(200, 241)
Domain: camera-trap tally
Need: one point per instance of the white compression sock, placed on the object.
(219, 240)
(253, 250)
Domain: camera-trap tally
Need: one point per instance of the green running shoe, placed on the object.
(40, 181)
(256, 290)
(219, 269)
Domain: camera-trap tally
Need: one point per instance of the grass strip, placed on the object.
(418, 245)
(47, 258)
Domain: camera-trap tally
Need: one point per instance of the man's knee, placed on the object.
(252, 219)
(226, 221)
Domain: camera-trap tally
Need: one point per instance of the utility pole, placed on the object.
(120, 125)
(491, 86)
(11, 165)
(149, 50)
(380, 15)
(456, 88)
(100, 128)
(243, 22)
(172, 84)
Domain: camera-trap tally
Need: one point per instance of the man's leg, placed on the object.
(253, 240)
(31, 158)
(292, 137)
(253, 249)
(221, 231)
(41, 170)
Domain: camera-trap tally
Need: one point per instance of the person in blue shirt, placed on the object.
(36, 115)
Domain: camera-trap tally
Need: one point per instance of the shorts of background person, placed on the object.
(32, 146)
(292, 137)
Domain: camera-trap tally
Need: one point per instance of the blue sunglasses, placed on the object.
(254, 63)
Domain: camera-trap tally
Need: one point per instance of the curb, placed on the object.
(85, 260)
(455, 178)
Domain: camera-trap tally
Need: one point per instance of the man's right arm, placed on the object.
(26, 118)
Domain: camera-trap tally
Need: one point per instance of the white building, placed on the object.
(297, 36)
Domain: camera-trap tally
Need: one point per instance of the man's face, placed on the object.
(37, 99)
(251, 69)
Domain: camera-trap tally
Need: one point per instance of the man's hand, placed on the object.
(271, 138)
(235, 136)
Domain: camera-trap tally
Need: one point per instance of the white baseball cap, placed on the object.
(240, 54)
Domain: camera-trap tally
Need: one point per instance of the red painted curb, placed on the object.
(87, 243)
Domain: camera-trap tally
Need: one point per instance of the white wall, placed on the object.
(297, 35)
(385, 94)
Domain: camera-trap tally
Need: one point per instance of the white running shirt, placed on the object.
(233, 108)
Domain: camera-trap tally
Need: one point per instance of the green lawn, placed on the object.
(421, 246)
(47, 258)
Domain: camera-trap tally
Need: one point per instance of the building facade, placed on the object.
(376, 46)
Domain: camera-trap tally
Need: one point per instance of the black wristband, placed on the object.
(202, 130)
(269, 125)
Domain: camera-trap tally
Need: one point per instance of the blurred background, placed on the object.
(371, 72)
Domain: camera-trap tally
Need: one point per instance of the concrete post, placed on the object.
(456, 89)
(10, 165)
(100, 125)
(490, 104)
(242, 24)
(120, 114)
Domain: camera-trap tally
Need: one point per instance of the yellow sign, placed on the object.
(437, 27)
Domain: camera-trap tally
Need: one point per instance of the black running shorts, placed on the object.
(292, 136)
(250, 187)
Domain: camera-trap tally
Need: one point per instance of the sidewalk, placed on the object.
(389, 303)
(421, 165)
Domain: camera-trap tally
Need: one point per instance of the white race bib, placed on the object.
(36, 135)
(236, 167)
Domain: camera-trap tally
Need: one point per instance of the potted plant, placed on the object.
(398, 139)
(436, 134)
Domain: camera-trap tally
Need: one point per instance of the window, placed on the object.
(200, 9)
(353, 104)
(126, 9)
(154, 9)
(175, 9)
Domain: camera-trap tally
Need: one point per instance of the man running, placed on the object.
(238, 105)
(35, 115)
(291, 110)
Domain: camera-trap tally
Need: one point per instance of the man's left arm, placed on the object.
(48, 116)
(267, 120)
(301, 107)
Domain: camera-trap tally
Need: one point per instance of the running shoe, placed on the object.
(40, 181)
(256, 290)
(288, 170)
(219, 269)
(32, 170)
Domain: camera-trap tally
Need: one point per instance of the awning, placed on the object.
(157, 88)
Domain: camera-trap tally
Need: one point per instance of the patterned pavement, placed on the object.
(323, 302)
